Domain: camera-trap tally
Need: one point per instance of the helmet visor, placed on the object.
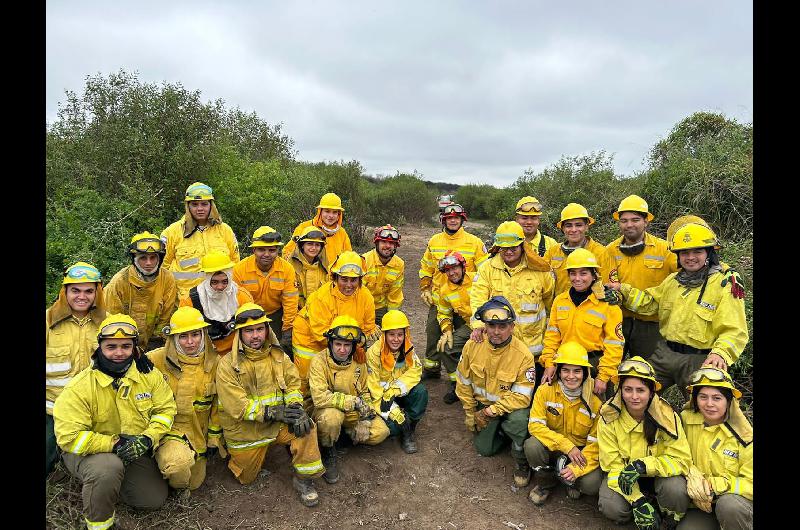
(350, 268)
(387, 233)
(269, 237)
(251, 314)
(148, 245)
(534, 207)
(118, 330)
(346, 332)
(447, 262)
(496, 314)
(635, 368)
(453, 209)
(712, 375)
(199, 193)
(82, 272)
(312, 236)
(507, 240)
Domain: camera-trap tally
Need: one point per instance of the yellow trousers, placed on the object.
(176, 460)
(330, 422)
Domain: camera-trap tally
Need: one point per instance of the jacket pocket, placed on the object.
(58, 362)
(700, 330)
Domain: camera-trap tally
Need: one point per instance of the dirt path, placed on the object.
(445, 486)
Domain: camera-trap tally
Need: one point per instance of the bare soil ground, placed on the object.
(445, 486)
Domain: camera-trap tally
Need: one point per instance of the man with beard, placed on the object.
(384, 277)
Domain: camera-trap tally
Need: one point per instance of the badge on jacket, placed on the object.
(530, 374)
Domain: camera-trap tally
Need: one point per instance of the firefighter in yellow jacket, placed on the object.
(495, 385)
(642, 260)
(385, 271)
(338, 381)
(528, 213)
(643, 450)
(574, 223)
(189, 363)
(720, 480)
(563, 427)
(144, 289)
(270, 280)
(108, 420)
(329, 220)
(310, 263)
(260, 404)
(701, 320)
(71, 325)
(344, 295)
(581, 316)
(394, 380)
(194, 235)
(453, 237)
(507, 274)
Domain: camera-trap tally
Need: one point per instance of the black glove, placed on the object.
(386, 404)
(645, 515)
(302, 425)
(286, 339)
(274, 413)
(130, 447)
(611, 297)
(629, 475)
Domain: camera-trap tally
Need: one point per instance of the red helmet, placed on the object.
(387, 233)
(453, 210)
(451, 259)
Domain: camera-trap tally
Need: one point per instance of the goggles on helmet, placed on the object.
(530, 207)
(387, 233)
(269, 237)
(635, 368)
(345, 333)
(314, 234)
(496, 314)
(199, 193)
(118, 330)
(453, 209)
(250, 314)
(712, 375)
(350, 267)
(90, 274)
(507, 240)
(147, 245)
(447, 262)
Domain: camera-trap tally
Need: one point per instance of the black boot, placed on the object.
(407, 437)
(451, 396)
(431, 373)
(329, 458)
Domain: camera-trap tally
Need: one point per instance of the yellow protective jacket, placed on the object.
(622, 441)
(308, 276)
(454, 298)
(723, 453)
(193, 384)
(90, 414)
(150, 304)
(335, 244)
(223, 345)
(325, 304)
(249, 380)
(646, 269)
(536, 243)
(717, 322)
(385, 370)
(556, 257)
(468, 245)
(561, 424)
(69, 343)
(502, 378)
(385, 282)
(530, 293)
(336, 386)
(187, 244)
(595, 325)
(272, 289)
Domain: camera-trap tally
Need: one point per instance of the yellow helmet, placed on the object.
(330, 201)
(185, 319)
(147, 242)
(691, 236)
(528, 206)
(509, 234)
(198, 191)
(633, 203)
(118, 326)
(572, 353)
(344, 327)
(682, 221)
(580, 257)
(710, 376)
(348, 264)
(266, 236)
(574, 211)
(216, 260)
(249, 314)
(311, 233)
(637, 367)
(394, 319)
(81, 272)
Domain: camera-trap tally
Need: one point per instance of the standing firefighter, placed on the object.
(453, 237)
(144, 290)
(70, 338)
(260, 404)
(528, 214)
(329, 219)
(189, 363)
(642, 260)
(394, 379)
(338, 381)
(194, 235)
(495, 385)
(270, 280)
(310, 263)
(108, 420)
(384, 277)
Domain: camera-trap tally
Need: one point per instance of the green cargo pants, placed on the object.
(433, 333)
(670, 493)
(492, 438)
(731, 511)
(538, 454)
(674, 368)
(413, 404)
(641, 337)
(450, 357)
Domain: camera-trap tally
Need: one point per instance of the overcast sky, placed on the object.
(465, 92)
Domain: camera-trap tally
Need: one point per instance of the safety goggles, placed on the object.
(712, 375)
(251, 314)
(118, 330)
(199, 193)
(350, 267)
(453, 209)
(386, 233)
(345, 332)
(269, 237)
(82, 272)
(147, 245)
(507, 240)
(631, 367)
(314, 234)
(497, 314)
(530, 207)
(447, 262)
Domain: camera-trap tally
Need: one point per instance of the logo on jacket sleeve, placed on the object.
(530, 374)
(618, 331)
(142, 395)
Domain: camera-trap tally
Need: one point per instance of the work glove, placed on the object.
(365, 412)
(396, 415)
(391, 393)
(629, 475)
(446, 341)
(373, 337)
(699, 489)
(737, 287)
(300, 424)
(286, 339)
(361, 431)
(275, 413)
(427, 297)
(130, 447)
(645, 515)
(469, 421)
(482, 419)
(611, 297)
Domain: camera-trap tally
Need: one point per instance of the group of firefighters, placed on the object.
(561, 350)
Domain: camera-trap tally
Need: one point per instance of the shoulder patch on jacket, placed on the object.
(143, 395)
(530, 374)
(732, 454)
(618, 331)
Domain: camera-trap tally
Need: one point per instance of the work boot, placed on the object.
(451, 396)
(522, 474)
(538, 495)
(305, 487)
(431, 373)
(573, 493)
(329, 457)
(407, 438)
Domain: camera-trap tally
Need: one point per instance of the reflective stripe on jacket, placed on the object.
(402, 375)
(272, 290)
(468, 245)
(336, 386)
(385, 282)
(556, 257)
(454, 298)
